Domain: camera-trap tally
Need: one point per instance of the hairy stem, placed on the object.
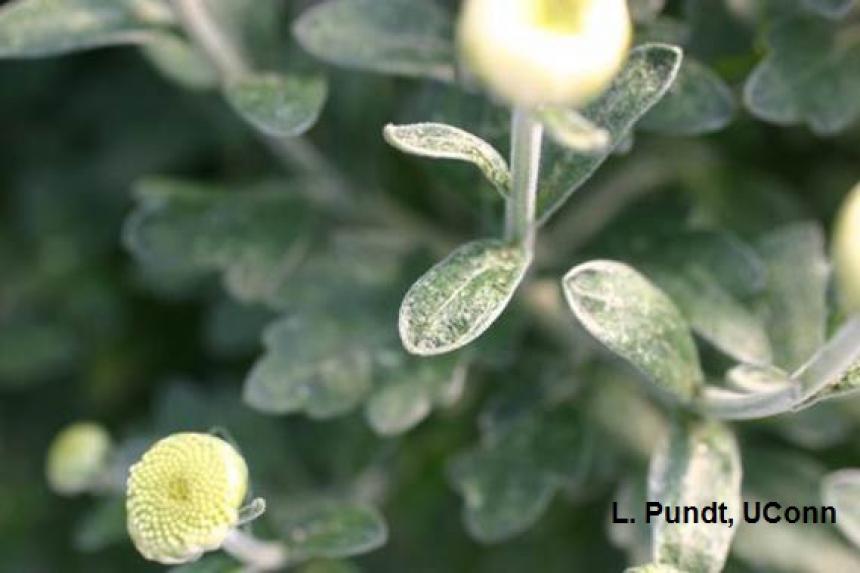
(257, 555)
(526, 138)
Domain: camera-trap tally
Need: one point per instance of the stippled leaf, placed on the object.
(459, 298)
(697, 463)
(37, 28)
(441, 141)
(811, 75)
(644, 79)
(276, 104)
(400, 37)
(249, 236)
(698, 102)
(637, 321)
(841, 490)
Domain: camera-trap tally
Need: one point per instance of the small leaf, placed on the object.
(399, 37)
(841, 490)
(180, 61)
(571, 130)
(834, 9)
(637, 321)
(648, 73)
(410, 389)
(318, 365)
(696, 464)
(250, 236)
(331, 530)
(811, 75)
(459, 298)
(276, 104)
(38, 28)
(698, 102)
(502, 498)
(795, 303)
(441, 141)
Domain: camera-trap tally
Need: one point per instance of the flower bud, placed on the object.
(77, 458)
(535, 52)
(846, 252)
(184, 497)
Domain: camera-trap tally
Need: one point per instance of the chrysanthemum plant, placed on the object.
(722, 328)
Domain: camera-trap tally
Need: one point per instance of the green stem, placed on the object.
(199, 24)
(526, 138)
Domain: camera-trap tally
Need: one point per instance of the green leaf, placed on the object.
(835, 9)
(411, 388)
(841, 490)
(570, 129)
(399, 37)
(502, 498)
(251, 237)
(459, 298)
(180, 61)
(329, 566)
(441, 141)
(331, 530)
(33, 351)
(38, 28)
(102, 526)
(317, 364)
(811, 75)
(698, 102)
(276, 104)
(637, 321)
(795, 304)
(644, 79)
(696, 464)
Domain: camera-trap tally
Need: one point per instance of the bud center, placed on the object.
(179, 489)
(559, 16)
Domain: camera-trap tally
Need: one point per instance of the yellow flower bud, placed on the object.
(535, 52)
(184, 497)
(77, 458)
(846, 252)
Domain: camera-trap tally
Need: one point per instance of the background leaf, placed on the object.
(36, 28)
(811, 75)
(400, 37)
(249, 236)
(331, 530)
(278, 105)
(841, 490)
